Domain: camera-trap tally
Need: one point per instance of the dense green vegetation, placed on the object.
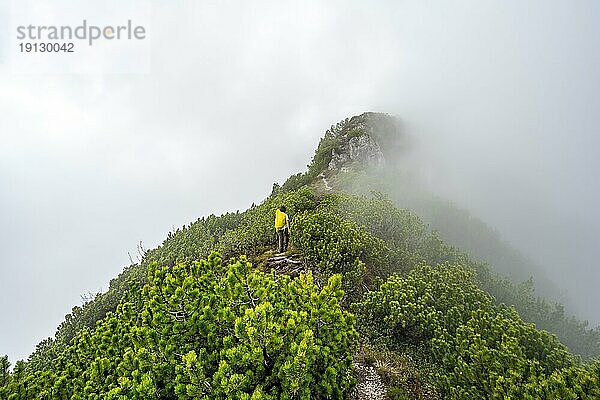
(473, 234)
(417, 245)
(482, 351)
(183, 323)
(207, 329)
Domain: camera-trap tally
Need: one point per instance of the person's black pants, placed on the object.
(283, 238)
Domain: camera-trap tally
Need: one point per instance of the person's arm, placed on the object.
(287, 222)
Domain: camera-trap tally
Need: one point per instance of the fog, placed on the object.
(500, 97)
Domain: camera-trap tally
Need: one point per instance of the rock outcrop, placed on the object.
(358, 149)
(285, 264)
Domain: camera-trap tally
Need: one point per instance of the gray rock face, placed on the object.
(359, 149)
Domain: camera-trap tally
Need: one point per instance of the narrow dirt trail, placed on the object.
(370, 385)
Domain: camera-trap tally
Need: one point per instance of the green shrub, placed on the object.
(256, 229)
(208, 329)
(483, 350)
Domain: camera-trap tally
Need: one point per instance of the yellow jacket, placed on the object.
(280, 219)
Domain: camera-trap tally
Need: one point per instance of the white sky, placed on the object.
(224, 98)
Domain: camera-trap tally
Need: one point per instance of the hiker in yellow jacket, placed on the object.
(282, 227)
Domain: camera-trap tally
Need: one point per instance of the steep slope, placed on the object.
(370, 284)
(378, 168)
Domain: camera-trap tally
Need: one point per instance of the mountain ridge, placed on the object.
(357, 252)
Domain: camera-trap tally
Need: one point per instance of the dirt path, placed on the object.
(370, 386)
